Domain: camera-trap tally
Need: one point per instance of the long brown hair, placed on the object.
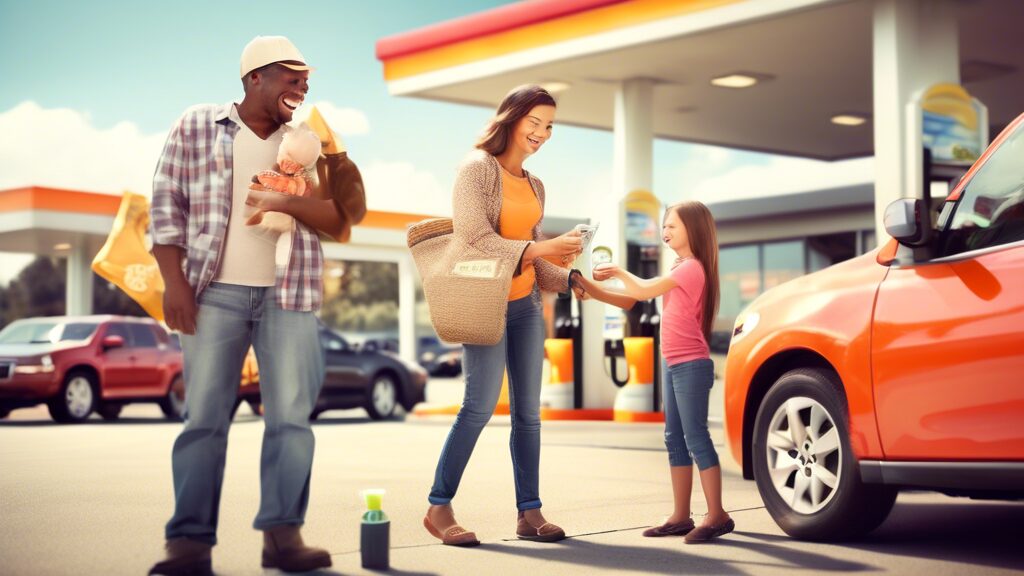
(703, 237)
(517, 104)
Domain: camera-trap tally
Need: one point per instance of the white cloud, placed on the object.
(344, 121)
(783, 175)
(61, 148)
(402, 187)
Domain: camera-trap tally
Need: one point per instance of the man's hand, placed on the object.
(265, 200)
(180, 306)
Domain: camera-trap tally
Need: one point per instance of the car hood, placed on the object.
(24, 350)
(816, 290)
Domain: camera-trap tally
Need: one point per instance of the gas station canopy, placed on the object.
(811, 60)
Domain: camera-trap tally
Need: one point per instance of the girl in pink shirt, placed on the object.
(690, 293)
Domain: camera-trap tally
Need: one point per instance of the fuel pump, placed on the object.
(638, 398)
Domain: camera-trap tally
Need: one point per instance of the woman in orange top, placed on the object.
(498, 207)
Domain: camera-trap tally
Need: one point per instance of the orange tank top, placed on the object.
(520, 212)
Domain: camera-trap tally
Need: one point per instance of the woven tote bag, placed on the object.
(466, 288)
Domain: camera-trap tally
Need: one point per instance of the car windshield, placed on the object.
(37, 332)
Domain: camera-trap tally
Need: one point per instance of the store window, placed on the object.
(739, 272)
(783, 261)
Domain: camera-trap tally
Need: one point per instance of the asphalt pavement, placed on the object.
(93, 499)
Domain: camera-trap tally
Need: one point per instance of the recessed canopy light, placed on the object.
(556, 87)
(735, 81)
(848, 120)
(62, 246)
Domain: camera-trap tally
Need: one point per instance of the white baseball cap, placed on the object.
(263, 50)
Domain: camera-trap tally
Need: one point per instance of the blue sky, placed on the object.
(90, 89)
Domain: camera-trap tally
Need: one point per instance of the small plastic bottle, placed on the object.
(375, 532)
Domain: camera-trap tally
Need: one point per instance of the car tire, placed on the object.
(382, 397)
(78, 397)
(255, 404)
(810, 482)
(173, 404)
(234, 407)
(109, 412)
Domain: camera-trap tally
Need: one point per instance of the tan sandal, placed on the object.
(546, 532)
(454, 536)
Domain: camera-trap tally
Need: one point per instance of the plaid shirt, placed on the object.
(192, 201)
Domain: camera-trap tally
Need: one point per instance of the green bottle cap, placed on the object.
(373, 498)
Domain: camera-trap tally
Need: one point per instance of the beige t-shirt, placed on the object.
(248, 258)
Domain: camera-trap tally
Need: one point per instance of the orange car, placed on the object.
(903, 368)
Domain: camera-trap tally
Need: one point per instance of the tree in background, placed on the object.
(361, 296)
(358, 296)
(38, 290)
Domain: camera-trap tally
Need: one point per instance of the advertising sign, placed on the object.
(954, 125)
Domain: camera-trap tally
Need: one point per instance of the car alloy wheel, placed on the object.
(76, 400)
(383, 397)
(805, 456)
(79, 398)
(806, 472)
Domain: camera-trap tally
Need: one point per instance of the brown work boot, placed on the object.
(185, 557)
(283, 548)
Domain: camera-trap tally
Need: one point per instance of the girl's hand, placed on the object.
(606, 271)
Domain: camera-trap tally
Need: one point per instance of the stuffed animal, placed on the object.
(293, 174)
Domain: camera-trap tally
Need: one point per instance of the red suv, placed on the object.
(81, 364)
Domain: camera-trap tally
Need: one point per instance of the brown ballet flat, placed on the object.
(454, 536)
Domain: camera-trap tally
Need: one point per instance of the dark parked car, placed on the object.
(437, 357)
(376, 380)
(81, 364)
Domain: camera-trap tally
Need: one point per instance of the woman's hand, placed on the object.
(568, 244)
(567, 247)
(606, 271)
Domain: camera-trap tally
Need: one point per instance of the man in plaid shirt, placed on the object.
(225, 293)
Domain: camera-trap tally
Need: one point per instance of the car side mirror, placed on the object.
(906, 221)
(110, 342)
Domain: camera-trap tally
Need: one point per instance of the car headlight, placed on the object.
(41, 365)
(745, 324)
(427, 357)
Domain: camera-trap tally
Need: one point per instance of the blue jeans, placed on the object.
(291, 362)
(687, 386)
(521, 349)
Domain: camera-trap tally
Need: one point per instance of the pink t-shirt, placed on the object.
(682, 338)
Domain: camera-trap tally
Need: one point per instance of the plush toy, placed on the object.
(293, 174)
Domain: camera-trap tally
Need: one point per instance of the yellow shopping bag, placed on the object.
(125, 261)
(329, 141)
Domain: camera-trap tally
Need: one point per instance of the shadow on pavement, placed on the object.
(791, 557)
(396, 572)
(673, 561)
(983, 533)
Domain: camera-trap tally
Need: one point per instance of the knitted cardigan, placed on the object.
(476, 213)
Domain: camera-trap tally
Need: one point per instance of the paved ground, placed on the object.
(93, 498)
